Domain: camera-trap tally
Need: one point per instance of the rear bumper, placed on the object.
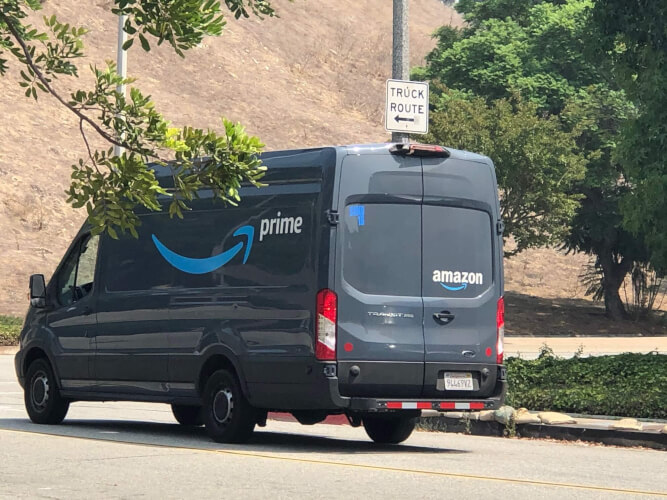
(384, 404)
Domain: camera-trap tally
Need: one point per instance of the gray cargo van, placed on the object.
(364, 280)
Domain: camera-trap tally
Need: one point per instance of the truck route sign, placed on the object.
(407, 107)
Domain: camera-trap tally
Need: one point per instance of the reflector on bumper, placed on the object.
(433, 405)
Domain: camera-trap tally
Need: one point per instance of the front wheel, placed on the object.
(42, 398)
(227, 414)
(389, 430)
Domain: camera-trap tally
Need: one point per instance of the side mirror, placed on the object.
(37, 290)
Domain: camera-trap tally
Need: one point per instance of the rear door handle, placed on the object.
(444, 317)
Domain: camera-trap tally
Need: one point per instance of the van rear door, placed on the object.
(380, 343)
(461, 284)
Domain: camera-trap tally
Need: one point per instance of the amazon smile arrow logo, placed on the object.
(207, 265)
(455, 288)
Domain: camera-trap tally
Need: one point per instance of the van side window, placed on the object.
(76, 277)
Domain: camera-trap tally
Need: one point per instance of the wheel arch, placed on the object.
(38, 352)
(217, 359)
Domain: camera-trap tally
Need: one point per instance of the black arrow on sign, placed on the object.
(401, 119)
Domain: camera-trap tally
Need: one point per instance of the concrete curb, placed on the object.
(9, 349)
(590, 431)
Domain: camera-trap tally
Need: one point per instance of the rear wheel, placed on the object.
(188, 415)
(389, 430)
(43, 401)
(227, 414)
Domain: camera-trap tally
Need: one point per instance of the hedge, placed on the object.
(10, 327)
(624, 385)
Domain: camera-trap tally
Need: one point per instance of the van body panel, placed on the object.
(461, 274)
(238, 286)
(72, 330)
(380, 309)
(261, 308)
(131, 341)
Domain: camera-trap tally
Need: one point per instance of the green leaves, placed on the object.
(536, 161)
(181, 23)
(114, 189)
(541, 50)
(634, 37)
(533, 48)
(629, 385)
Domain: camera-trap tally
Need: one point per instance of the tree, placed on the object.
(110, 187)
(633, 35)
(596, 117)
(540, 53)
(536, 162)
(539, 49)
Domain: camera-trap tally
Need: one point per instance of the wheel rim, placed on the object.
(223, 405)
(39, 394)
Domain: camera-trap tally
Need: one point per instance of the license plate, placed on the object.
(458, 381)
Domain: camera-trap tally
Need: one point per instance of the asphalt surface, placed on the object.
(123, 450)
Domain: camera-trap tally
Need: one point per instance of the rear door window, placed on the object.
(382, 248)
(458, 252)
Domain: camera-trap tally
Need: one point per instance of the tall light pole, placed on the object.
(121, 63)
(401, 54)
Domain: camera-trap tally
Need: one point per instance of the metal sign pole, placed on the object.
(401, 57)
(121, 62)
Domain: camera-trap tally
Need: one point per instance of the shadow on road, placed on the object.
(177, 436)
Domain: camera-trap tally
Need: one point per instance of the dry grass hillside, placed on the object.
(315, 76)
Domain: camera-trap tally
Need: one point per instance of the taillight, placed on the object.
(500, 330)
(325, 328)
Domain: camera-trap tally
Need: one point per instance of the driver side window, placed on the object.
(75, 280)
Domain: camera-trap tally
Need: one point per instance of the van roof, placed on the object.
(352, 149)
(379, 148)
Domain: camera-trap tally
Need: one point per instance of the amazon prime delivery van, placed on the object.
(364, 280)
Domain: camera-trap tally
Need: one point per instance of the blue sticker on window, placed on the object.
(358, 211)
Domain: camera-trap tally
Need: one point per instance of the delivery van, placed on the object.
(363, 280)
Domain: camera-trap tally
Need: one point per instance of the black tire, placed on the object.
(42, 398)
(228, 416)
(188, 415)
(389, 430)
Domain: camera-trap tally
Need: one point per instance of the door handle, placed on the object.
(444, 317)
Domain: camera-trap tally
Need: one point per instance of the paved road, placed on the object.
(121, 450)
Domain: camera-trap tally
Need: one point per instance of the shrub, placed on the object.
(10, 327)
(626, 385)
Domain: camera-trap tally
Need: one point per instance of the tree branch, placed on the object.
(85, 140)
(47, 85)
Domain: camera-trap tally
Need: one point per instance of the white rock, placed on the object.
(554, 418)
(487, 415)
(523, 416)
(627, 424)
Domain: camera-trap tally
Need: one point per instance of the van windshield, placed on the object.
(382, 248)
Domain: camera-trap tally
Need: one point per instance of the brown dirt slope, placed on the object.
(315, 76)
